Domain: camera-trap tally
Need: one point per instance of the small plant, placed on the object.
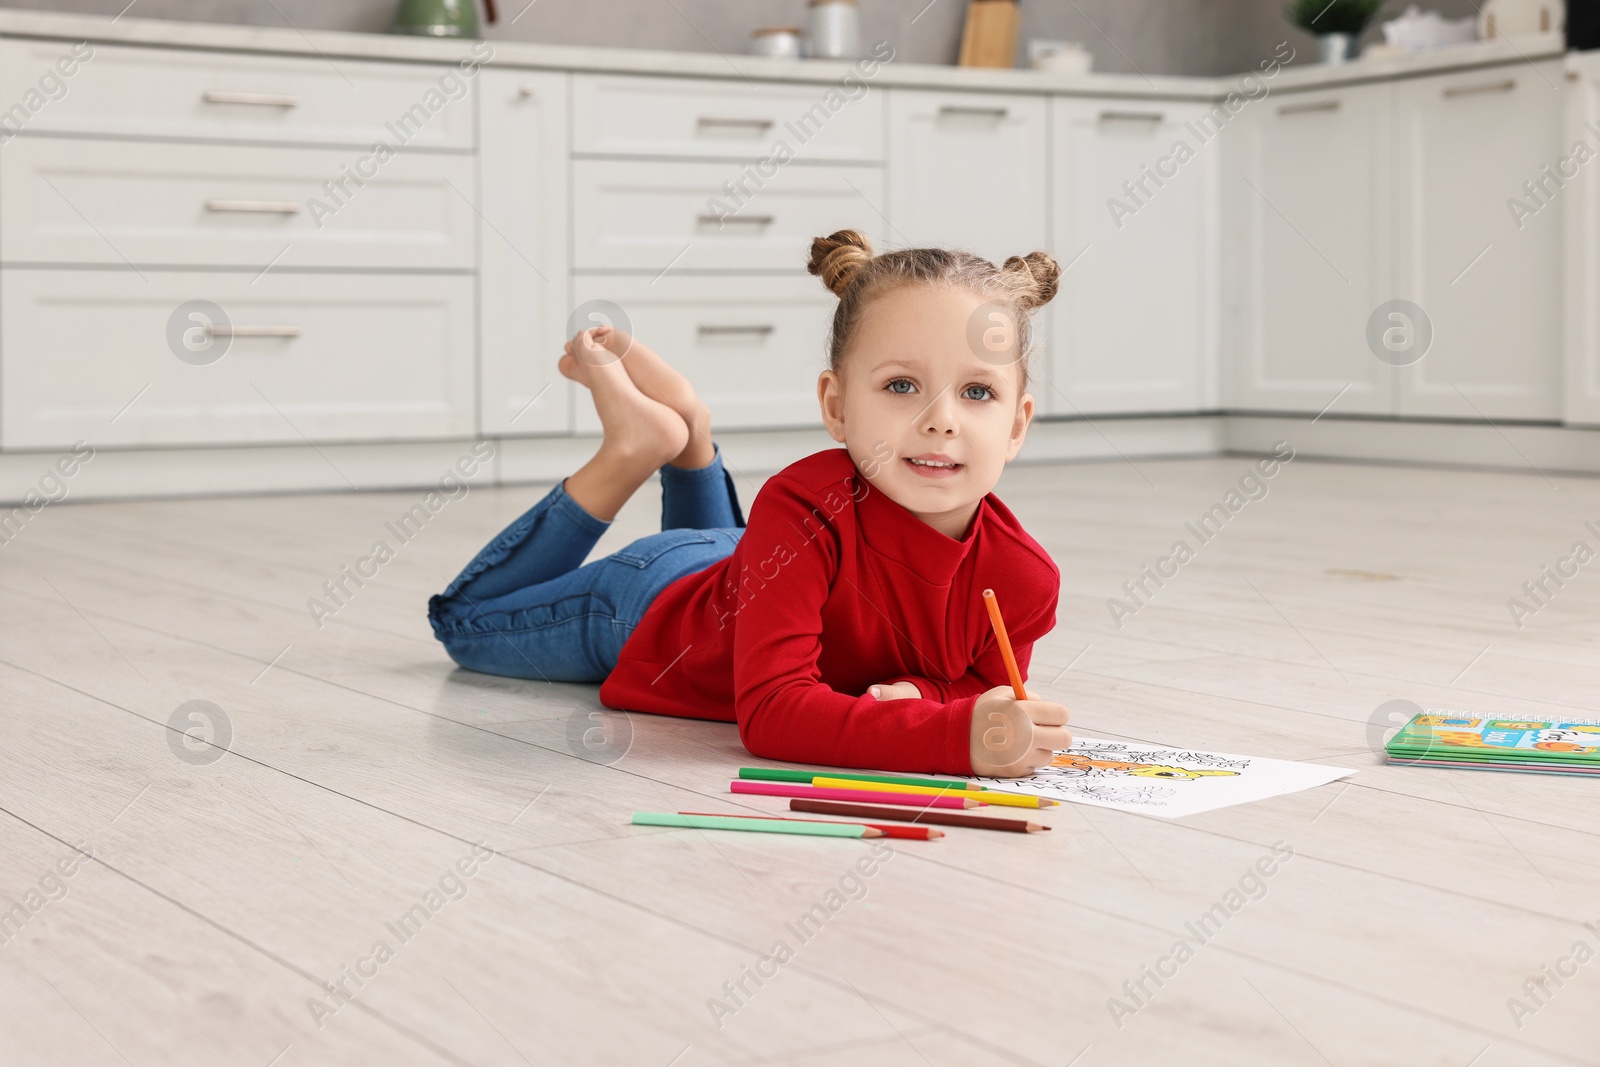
(1333, 16)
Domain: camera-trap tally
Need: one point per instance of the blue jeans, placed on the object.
(527, 606)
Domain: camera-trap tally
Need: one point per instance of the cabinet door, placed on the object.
(1488, 278)
(522, 239)
(753, 346)
(1308, 217)
(648, 217)
(1581, 403)
(1131, 327)
(165, 357)
(968, 170)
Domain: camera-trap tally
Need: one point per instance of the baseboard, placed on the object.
(124, 474)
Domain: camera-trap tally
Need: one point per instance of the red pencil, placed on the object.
(913, 833)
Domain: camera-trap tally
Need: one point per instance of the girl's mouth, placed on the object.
(932, 466)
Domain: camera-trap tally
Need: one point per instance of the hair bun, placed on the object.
(838, 258)
(1044, 274)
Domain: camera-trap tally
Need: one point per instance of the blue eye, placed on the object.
(983, 391)
(895, 385)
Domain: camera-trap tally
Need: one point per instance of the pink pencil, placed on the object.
(812, 792)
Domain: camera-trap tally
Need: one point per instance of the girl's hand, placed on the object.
(1012, 738)
(896, 691)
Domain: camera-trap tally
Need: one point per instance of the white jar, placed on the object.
(779, 42)
(833, 29)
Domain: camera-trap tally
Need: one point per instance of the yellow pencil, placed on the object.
(987, 796)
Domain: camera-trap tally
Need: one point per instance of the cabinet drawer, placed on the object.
(72, 201)
(94, 356)
(753, 347)
(159, 92)
(969, 170)
(638, 116)
(647, 216)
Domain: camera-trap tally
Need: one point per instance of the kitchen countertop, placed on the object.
(332, 45)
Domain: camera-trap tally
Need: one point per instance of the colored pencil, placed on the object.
(942, 818)
(1006, 654)
(990, 796)
(765, 826)
(784, 774)
(910, 833)
(792, 789)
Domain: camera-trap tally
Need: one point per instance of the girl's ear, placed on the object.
(830, 396)
(1019, 427)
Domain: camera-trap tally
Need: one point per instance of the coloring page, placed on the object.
(1161, 780)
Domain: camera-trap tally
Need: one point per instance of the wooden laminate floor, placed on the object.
(227, 894)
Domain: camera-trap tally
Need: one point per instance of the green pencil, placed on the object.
(779, 774)
(766, 826)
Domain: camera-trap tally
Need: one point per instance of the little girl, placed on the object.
(844, 624)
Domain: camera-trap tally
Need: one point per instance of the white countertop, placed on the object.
(221, 36)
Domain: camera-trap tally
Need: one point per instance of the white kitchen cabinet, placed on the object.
(697, 118)
(1489, 282)
(647, 217)
(120, 91)
(74, 200)
(969, 170)
(1581, 397)
(524, 274)
(1132, 327)
(1308, 215)
(129, 358)
(753, 346)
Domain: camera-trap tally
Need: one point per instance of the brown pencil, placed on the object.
(943, 818)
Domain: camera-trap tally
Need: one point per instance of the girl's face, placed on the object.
(929, 402)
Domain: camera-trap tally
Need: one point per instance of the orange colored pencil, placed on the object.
(1005, 644)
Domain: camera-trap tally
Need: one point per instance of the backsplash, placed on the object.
(1127, 36)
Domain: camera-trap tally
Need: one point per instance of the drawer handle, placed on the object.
(754, 124)
(526, 90)
(1306, 109)
(754, 220)
(1132, 116)
(252, 331)
(962, 109)
(1473, 90)
(223, 96)
(705, 330)
(255, 207)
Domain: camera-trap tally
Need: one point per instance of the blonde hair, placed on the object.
(846, 265)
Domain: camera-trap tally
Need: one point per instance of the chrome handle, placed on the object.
(1473, 90)
(223, 96)
(256, 207)
(710, 120)
(763, 329)
(252, 331)
(960, 109)
(1132, 116)
(1306, 109)
(755, 220)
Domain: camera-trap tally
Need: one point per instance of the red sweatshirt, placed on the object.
(832, 589)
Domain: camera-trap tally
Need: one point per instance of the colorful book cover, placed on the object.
(1457, 738)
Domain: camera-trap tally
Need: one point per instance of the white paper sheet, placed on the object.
(1162, 780)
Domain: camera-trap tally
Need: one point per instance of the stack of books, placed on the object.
(1453, 739)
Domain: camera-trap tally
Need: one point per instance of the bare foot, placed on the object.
(660, 380)
(640, 433)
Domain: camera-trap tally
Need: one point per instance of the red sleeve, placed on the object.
(784, 710)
